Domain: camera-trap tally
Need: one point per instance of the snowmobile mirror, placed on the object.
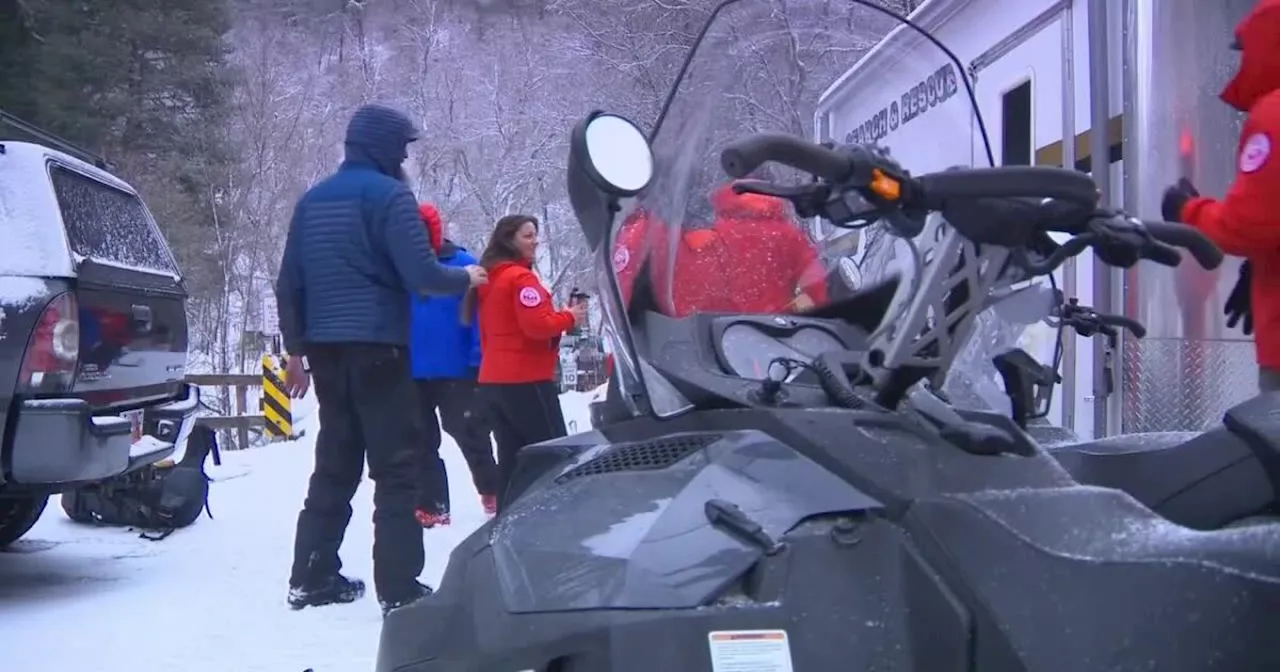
(619, 160)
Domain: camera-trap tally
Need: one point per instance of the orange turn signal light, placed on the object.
(884, 186)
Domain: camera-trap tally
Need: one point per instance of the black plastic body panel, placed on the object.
(966, 562)
(655, 547)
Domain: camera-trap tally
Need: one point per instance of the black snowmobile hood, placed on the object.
(624, 526)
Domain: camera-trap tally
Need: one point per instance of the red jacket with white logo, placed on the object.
(753, 259)
(519, 329)
(1245, 222)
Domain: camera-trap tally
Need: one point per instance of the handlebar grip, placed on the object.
(1165, 255)
(1204, 250)
(743, 156)
(1009, 182)
(1131, 325)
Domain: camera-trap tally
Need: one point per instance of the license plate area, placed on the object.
(135, 425)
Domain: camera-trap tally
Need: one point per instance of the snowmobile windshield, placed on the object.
(826, 70)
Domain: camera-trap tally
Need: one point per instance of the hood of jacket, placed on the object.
(379, 136)
(1258, 37)
(435, 225)
(449, 249)
(729, 205)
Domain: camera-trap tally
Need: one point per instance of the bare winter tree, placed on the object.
(495, 87)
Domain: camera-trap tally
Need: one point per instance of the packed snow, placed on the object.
(210, 598)
(33, 245)
(18, 292)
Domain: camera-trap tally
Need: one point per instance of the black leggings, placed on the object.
(521, 414)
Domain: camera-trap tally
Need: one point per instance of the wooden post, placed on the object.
(242, 407)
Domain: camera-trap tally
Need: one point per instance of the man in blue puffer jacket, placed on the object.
(445, 356)
(355, 252)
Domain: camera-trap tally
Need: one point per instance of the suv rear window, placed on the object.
(107, 224)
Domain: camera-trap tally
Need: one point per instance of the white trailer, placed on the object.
(1144, 72)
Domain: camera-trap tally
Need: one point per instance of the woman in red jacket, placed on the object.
(519, 343)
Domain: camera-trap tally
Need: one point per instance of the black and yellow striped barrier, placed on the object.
(276, 409)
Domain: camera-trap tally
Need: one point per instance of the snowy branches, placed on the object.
(495, 87)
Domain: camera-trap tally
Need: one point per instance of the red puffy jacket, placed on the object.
(1244, 223)
(519, 328)
(753, 259)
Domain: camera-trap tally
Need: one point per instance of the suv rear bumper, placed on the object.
(59, 441)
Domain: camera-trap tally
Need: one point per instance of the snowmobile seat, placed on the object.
(1199, 480)
(1257, 423)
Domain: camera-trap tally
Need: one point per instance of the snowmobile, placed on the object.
(784, 491)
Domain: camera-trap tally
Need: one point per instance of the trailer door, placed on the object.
(1190, 368)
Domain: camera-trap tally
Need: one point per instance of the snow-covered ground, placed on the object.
(209, 598)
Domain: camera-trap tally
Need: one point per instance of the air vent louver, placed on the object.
(642, 456)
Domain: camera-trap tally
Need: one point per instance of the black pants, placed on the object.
(521, 414)
(461, 415)
(367, 411)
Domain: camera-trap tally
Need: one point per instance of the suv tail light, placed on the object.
(49, 364)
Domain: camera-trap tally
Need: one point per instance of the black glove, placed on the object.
(1238, 305)
(1175, 198)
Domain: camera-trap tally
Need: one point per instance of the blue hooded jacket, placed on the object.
(356, 246)
(440, 346)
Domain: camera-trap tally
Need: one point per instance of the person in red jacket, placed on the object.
(751, 258)
(519, 344)
(1244, 222)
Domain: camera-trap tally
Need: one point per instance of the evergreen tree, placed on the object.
(145, 82)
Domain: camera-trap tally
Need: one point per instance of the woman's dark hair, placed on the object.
(501, 248)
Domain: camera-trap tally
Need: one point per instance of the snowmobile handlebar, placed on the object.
(1121, 241)
(745, 155)
(1208, 254)
(869, 170)
(1088, 322)
(1118, 239)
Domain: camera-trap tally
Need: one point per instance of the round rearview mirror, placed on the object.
(619, 154)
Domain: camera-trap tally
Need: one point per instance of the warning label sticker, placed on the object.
(750, 651)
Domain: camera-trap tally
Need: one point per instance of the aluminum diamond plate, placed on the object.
(1173, 385)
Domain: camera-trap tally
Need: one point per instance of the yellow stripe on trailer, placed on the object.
(276, 405)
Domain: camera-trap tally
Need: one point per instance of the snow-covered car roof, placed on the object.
(33, 240)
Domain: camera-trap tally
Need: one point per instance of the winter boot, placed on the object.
(490, 504)
(429, 520)
(336, 589)
(421, 590)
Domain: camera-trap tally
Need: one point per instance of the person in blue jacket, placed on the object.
(445, 357)
(355, 251)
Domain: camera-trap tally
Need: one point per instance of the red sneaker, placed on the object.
(490, 504)
(430, 520)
